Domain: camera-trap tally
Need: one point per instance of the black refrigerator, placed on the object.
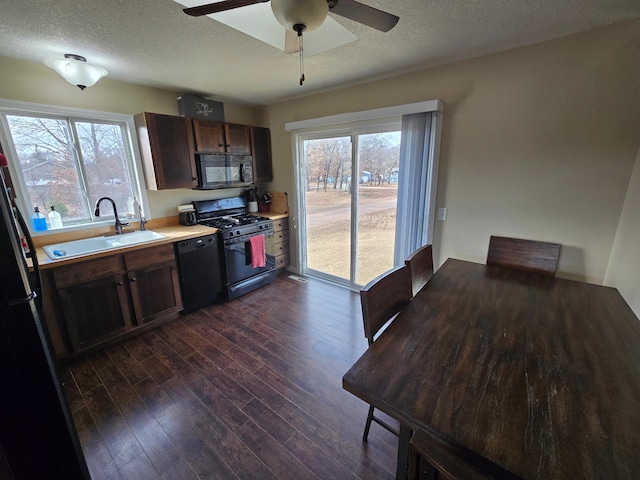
(38, 438)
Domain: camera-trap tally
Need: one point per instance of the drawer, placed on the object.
(281, 224)
(279, 248)
(275, 242)
(149, 256)
(282, 261)
(280, 236)
(88, 270)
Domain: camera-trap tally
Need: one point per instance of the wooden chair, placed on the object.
(432, 459)
(382, 299)
(420, 265)
(528, 255)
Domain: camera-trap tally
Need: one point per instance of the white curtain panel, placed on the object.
(413, 184)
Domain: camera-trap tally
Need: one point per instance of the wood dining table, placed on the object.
(530, 376)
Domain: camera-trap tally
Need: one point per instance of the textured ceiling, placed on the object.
(152, 42)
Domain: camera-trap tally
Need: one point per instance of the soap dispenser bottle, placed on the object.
(38, 220)
(54, 218)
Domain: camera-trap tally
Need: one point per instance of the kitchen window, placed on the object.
(69, 158)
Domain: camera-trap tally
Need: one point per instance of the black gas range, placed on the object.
(237, 227)
(241, 270)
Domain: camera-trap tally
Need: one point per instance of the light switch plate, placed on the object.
(442, 214)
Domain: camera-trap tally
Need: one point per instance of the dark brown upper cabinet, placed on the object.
(168, 145)
(167, 149)
(261, 147)
(218, 137)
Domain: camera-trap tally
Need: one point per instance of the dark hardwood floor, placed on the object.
(246, 389)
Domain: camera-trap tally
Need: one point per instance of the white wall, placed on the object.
(538, 142)
(624, 266)
(36, 83)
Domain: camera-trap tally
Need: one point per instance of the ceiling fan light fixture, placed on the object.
(310, 13)
(75, 70)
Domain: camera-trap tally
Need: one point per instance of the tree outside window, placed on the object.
(70, 163)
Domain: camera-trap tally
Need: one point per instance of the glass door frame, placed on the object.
(352, 130)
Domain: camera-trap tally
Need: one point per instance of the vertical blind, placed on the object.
(416, 183)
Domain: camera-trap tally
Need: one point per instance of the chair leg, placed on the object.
(368, 424)
(402, 468)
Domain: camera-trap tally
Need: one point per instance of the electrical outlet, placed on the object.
(442, 214)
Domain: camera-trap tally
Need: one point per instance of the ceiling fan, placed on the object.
(303, 16)
(298, 16)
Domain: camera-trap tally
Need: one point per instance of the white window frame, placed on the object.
(9, 107)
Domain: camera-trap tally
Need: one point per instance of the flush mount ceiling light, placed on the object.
(75, 70)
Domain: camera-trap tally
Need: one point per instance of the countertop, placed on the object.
(174, 233)
(273, 215)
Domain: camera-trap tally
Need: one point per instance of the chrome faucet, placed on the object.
(143, 221)
(119, 224)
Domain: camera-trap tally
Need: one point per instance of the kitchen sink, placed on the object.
(85, 246)
(134, 238)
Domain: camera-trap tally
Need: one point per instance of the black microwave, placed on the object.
(224, 170)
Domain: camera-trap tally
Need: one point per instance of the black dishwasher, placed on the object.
(200, 271)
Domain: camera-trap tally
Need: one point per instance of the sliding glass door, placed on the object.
(350, 180)
(377, 198)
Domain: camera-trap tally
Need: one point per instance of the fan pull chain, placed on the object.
(301, 59)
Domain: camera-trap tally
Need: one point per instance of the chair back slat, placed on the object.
(420, 265)
(528, 255)
(384, 297)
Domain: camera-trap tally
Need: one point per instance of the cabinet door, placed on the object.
(261, 147)
(238, 138)
(166, 144)
(209, 136)
(95, 311)
(154, 283)
(155, 292)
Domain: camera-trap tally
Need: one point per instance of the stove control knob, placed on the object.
(231, 234)
(238, 232)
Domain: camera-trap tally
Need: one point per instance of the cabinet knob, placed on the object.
(133, 279)
(120, 283)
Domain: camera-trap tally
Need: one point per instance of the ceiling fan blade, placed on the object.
(291, 42)
(219, 7)
(361, 13)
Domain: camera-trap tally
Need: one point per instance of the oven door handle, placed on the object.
(235, 241)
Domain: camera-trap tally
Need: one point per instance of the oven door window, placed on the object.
(238, 262)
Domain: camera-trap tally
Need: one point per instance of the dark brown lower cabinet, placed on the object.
(93, 302)
(154, 283)
(95, 311)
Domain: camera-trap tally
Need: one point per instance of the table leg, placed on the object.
(403, 453)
